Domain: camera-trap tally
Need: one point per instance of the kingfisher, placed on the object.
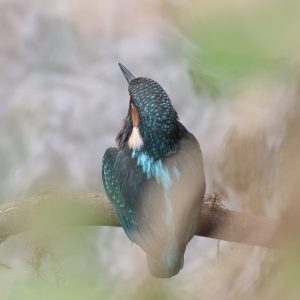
(155, 177)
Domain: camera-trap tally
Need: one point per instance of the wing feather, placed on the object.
(123, 181)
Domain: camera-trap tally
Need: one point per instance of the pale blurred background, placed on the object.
(231, 69)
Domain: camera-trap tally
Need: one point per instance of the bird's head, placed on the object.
(151, 124)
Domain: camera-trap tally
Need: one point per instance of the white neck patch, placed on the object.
(135, 140)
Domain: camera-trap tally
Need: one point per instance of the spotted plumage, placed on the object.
(155, 177)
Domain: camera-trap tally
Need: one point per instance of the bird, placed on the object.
(154, 177)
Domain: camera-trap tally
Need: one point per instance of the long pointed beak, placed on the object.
(129, 77)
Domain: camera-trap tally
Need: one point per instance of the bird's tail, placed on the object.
(167, 265)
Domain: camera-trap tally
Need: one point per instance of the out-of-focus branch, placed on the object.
(57, 209)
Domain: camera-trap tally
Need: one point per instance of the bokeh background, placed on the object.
(231, 69)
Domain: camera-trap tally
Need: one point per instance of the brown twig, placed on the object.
(57, 209)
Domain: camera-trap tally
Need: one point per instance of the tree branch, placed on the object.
(57, 209)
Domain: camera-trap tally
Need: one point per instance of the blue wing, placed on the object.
(123, 181)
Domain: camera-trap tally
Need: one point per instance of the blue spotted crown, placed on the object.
(159, 120)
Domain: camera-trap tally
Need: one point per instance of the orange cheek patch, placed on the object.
(135, 116)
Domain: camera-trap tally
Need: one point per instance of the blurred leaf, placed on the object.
(237, 44)
(5, 266)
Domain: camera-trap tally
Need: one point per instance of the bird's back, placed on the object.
(172, 211)
(158, 202)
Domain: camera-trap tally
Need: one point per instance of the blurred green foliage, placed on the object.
(66, 266)
(35, 289)
(238, 43)
(290, 274)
